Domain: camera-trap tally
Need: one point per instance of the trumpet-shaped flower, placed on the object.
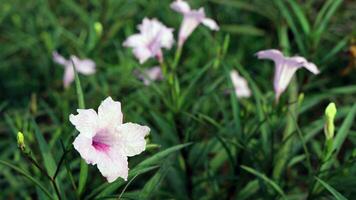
(149, 42)
(285, 68)
(191, 20)
(104, 140)
(149, 75)
(85, 66)
(240, 85)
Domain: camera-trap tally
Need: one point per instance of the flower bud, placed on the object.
(330, 113)
(300, 99)
(20, 141)
(98, 27)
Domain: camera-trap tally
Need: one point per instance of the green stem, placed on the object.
(83, 174)
(177, 56)
(283, 154)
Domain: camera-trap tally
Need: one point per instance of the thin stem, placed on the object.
(60, 163)
(299, 131)
(163, 68)
(177, 57)
(56, 189)
(34, 162)
(185, 155)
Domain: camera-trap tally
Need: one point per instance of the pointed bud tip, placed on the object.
(330, 110)
(20, 140)
(330, 113)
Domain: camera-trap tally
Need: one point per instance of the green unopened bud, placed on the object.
(98, 27)
(330, 113)
(21, 141)
(300, 99)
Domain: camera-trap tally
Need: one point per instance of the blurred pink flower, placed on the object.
(285, 68)
(105, 141)
(240, 85)
(191, 20)
(85, 66)
(149, 42)
(149, 75)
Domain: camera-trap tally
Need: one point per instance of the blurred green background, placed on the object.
(32, 97)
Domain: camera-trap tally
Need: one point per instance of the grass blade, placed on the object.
(28, 176)
(344, 129)
(300, 16)
(334, 192)
(265, 179)
(157, 158)
(83, 174)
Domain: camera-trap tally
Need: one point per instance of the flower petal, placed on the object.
(149, 75)
(312, 68)
(210, 23)
(109, 113)
(180, 6)
(308, 65)
(166, 37)
(68, 76)
(187, 27)
(283, 75)
(83, 145)
(113, 165)
(135, 40)
(85, 121)
(142, 54)
(272, 54)
(132, 138)
(240, 85)
(57, 58)
(85, 66)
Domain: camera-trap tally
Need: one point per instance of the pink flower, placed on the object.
(285, 68)
(149, 75)
(149, 42)
(85, 66)
(105, 141)
(240, 85)
(191, 20)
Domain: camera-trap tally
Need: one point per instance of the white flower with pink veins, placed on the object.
(191, 19)
(104, 140)
(149, 42)
(83, 66)
(285, 68)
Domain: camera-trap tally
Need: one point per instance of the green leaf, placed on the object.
(337, 48)
(47, 157)
(157, 158)
(267, 180)
(334, 192)
(140, 168)
(289, 19)
(153, 184)
(324, 16)
(83, 174)
(79, 89)
(108, 188)
(243, 29)
(344, 129)
(300, 16)
(250, 189)
(259, 99)
(28, 176)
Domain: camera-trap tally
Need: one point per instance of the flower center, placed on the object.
(101, 141)
(100, 146)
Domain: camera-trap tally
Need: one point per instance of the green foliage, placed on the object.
(205, 143)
